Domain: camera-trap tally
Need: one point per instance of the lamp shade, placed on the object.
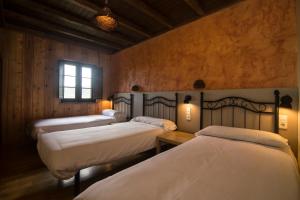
(106, 20)
(187, 99)
(135, 88)
(199, 84)
(286, 101)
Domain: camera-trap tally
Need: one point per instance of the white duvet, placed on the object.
(206, 168)
(69, 123)
(66, 152)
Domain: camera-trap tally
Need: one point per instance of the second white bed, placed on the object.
(66, 152)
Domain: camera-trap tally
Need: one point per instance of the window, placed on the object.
(79, 82)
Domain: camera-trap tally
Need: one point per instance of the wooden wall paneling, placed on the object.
(1, 84)
(39, 94)
(57, 53)
(55, 47)
(14, 88)
(0, 100)
(30, 78)
(7, 95)
(18, 116)
(4, 87)
(48, 83)
(105, 62)
(28, 55)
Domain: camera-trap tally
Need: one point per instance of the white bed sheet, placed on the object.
(205, 168)
(69, 123)
(65, 152)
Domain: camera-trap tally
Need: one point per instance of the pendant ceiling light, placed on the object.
(105, 19)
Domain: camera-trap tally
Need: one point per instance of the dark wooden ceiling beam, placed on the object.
(2, 22)
(56, 29)
(194, 4)
(65, 19)
(124, 24)
(141, 6)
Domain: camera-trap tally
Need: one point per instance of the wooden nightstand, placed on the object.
(174, 138)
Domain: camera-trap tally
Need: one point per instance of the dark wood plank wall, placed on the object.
(30, 81)
(1, 69)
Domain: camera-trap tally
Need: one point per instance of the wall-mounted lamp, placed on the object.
(187, 99)
(286, 101)
(135, 88)
(199, 84)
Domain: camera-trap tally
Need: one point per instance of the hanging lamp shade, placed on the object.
(105, 19)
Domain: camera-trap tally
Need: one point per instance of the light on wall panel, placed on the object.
(106, 104)
(188, 111)
(187, 100)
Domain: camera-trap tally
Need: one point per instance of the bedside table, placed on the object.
(173, 137)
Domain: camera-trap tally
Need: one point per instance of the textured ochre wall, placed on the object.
(249, 45)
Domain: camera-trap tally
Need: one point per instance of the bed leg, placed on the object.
(77, 183)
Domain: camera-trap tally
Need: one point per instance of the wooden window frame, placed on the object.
(78, 78)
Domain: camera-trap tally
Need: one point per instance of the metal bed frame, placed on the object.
(126, 104)
(161, 107)
(246, 105)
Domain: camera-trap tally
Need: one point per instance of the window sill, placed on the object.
(78, 101)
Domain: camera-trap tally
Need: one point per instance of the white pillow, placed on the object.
(109, 112)
(248, 135)
(119, 116)
(164, 123)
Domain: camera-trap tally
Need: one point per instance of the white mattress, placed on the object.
(65, 152)
(205, 168)
(69, 123)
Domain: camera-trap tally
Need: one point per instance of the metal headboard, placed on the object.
(160, 107)
(247, 105)
(123, 104)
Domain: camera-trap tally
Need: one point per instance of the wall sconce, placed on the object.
(187, 99)
(135, 88)
(286, 101)
(199, 84)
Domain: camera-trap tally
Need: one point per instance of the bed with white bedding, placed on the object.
(123, 111)
(221, 163)
(66, 152)
(69, 123)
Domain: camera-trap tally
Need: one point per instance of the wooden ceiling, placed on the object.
(74, 19)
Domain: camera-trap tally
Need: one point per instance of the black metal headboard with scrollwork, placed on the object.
(160, 107)
(123, 104)
(246, 105)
